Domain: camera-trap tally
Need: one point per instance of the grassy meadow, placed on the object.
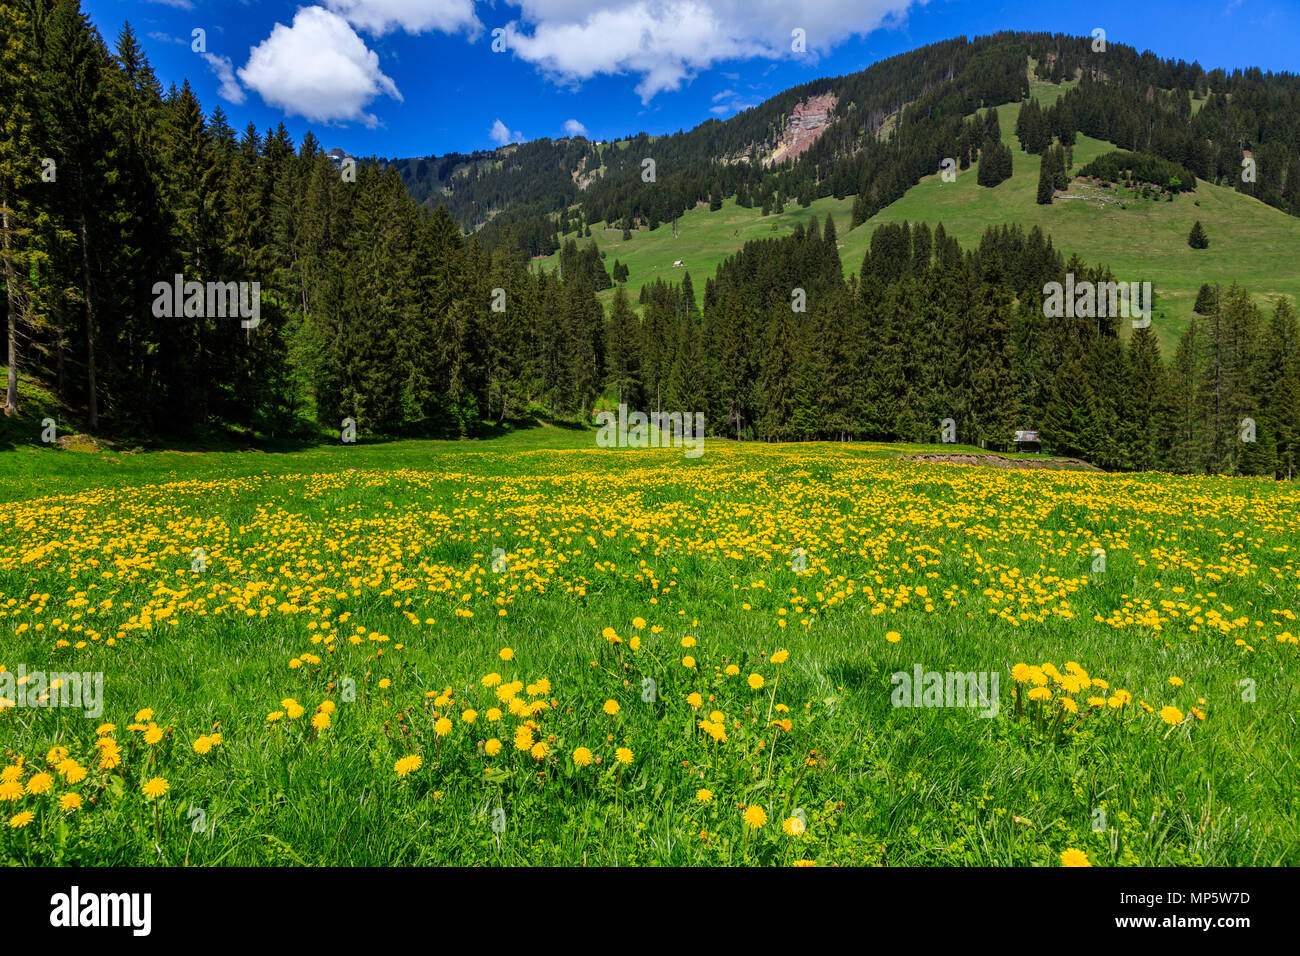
(533, 650)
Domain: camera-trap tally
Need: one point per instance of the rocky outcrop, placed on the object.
(807, 122)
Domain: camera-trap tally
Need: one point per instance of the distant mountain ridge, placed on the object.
(873, 134)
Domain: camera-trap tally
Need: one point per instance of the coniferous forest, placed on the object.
(378, 305)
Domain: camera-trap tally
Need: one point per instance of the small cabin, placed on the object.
(678, 264)
(1027, 441)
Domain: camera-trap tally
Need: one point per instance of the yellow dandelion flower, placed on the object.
(408, 765)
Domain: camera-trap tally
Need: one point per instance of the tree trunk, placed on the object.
(92, 402)
(11, 390)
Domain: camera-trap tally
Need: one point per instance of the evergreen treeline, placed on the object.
(369, 306)
(930, 332)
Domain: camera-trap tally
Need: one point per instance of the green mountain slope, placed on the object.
(1250, 243)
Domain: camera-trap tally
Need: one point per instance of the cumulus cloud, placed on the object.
(501, 134)
(318, 68)
(573, 128)
(667, 42)
(225, 70)
(378, 17)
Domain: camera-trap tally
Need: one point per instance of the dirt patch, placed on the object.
(81, 443)
(998, 461)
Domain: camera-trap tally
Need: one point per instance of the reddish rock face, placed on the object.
(807, 121)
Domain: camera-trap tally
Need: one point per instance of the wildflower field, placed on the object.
(534, 651)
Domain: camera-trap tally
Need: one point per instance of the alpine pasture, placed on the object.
(534, 650)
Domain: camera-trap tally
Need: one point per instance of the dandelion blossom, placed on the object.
(408, 765)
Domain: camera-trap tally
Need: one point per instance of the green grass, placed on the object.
(1250, 243)
(974, 569)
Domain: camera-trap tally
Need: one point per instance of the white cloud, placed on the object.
(573, 128)
(178, 4)
(225, 70)
(378, 17)
(667, 42)
(318, 68)
(501, 134)
(723, 95)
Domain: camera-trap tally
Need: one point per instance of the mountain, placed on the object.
(875, 134)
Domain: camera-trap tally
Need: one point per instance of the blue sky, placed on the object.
(418, 77)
